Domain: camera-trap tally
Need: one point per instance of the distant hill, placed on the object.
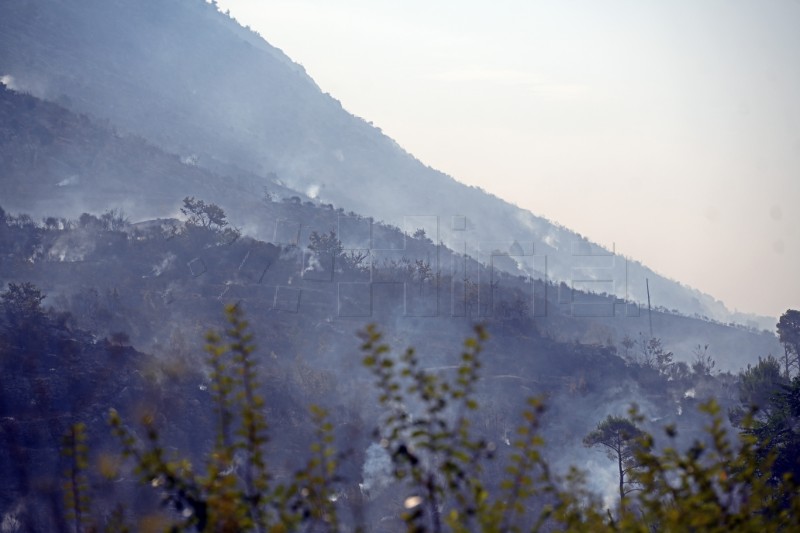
(192, 81)
(58, 163)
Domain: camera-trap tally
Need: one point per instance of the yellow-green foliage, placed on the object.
(76, 485)
(439, 463)
(221, 499)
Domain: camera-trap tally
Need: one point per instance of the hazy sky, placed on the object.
(670, 128)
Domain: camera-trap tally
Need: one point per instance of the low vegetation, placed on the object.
(440, 464)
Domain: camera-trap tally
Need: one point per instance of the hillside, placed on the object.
(195, 83)
(159, 163)
(119, 291)
(112, 171)
(58, 163)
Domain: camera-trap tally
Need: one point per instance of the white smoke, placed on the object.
(312, 191)
(165, 263)
(190, 160)
(11, 522)
(604, 480)
(376, 472)
(314, 265)
(71, 180)
(8, 81)
(73, 246)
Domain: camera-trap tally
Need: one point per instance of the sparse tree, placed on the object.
(22, 302)
(780, 431)
(627, 344)
(421, 235)
(200, 214)
(679, 372)
(472, 296)
(356, 259)
(326, 244)
(654, 355)
(50, 223)
(22, 220)
(619, 437)
(423, 272)
(114, 220)
(789, 335)
(88, 221)
(702, 363)
(757, 385)
(295, 200)
(517, 308)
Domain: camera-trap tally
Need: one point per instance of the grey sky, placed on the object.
(669, 128)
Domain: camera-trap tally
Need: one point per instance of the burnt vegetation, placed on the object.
(465, 449)
(364, 377)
